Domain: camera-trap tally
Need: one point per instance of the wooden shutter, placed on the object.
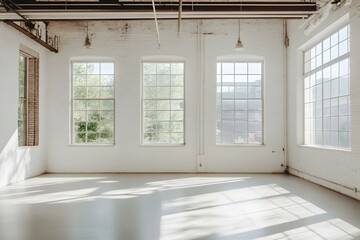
(33, 103)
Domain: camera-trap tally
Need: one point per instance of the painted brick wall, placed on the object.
(18, 163)
(338, 170)
(127, 43)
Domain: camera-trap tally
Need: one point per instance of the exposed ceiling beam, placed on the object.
(184, 9)
(112, 5)
(52, 16)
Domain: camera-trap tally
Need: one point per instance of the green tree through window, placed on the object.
(93, 103)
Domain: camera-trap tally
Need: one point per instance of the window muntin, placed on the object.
(93, 101)
(327, 92)
(239, 103)
(163, 103)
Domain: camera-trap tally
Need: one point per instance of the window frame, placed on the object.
(323, 66)
(24, 100)
(161, 60)
(71, 95)
(247, 61)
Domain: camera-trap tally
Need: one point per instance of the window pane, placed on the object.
(326, 56)
(344, 139)
(92, 68)
(163, 103)
(93, 92)
(228, 68)
(163, 68)
(177, 80)
(79, 80)
(241, 68)
(254, 68)
(107, 80)
(326, 43)
(344, 67)
(334, 39)
(343, 47)
(343, 33)
(177, 68)
(107, 68)
(106, 92)
(344, 85)
(149, 68)
(163, 80)
(80, 92)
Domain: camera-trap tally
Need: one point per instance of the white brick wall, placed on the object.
(126, 43)
(338, 170)
(17, 163)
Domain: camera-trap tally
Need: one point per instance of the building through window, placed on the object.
(239, 103)
(327, 91)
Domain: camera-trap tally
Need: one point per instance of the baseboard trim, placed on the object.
(346, 190)
(50, 172)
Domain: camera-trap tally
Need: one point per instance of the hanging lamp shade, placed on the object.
(239, 46)
(87, 42)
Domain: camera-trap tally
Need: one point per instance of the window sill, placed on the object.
(240, 145)
(91, 145)
(325, 148)
(163, 145)
(25, 147)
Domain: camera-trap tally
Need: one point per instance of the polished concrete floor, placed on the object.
(174, 207)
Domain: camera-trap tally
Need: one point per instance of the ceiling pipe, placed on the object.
(179, 20)
(156, 23)
(125, 6)
(100, 16)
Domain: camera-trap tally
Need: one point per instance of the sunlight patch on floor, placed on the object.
(333, 229)
(232, 212)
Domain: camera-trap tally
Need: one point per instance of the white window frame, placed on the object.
(321, 67)
(244, 60)
(72, 130)
(162, 60)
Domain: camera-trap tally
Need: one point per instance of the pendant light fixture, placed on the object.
(239, 46)
(87, 43)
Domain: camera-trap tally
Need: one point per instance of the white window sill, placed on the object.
(240, 145)
(25, 147)
(91, 145)
(321, 148)
(163, 145)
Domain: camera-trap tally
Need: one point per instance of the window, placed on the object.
(163, 103)
(327, 91)
(239, 103)
(28, 103)
(93, 103)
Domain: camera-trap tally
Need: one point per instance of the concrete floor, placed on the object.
(174, 206)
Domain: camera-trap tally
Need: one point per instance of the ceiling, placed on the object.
(165, 9)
